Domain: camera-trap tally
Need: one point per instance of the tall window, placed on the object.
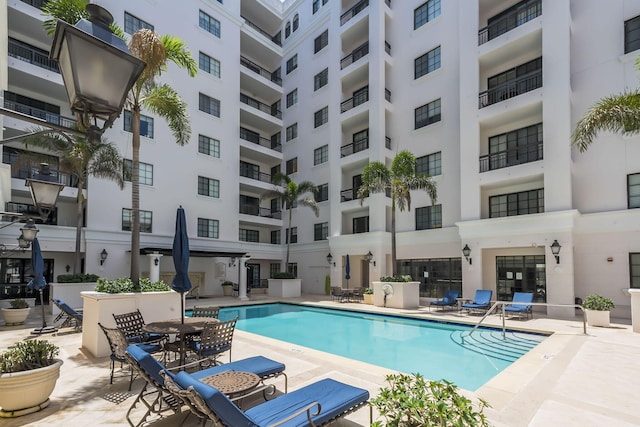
(426, 63)
(292, 63)
(296, 22)
(321, 117)
(321, 41)
(361, 225)
(634, 267)
(209, 105)
(209, 65)
(292, 98)
(208, 146)
(426, 12)
(208, 187)
(429, 217)
(208, 228)
(323, 193)
(209, 24)
(321, 79)
(427, 114)
(145, 220)
(146, 124)
(133, 24)
(315, 6)
(521, 203)
(252, 236)
(360, 140)
(632, 34)
(292, 132)
(518, 146)
(292, 166)
(145, 172)
(294, 235)
(633, 190)
(287, 30)
(430, 164)
(321, 155)
(275, 239)
(321, 231)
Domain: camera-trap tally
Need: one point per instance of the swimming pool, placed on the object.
(434, 349)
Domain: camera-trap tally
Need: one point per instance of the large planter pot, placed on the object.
(285, 288)
(367, 298)
(398, 294)
(15, 316)
(25, 392)
(227, 291)
(598, 318)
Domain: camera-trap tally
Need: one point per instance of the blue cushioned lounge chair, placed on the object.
(520, 309)
(68, 314)
(481, 300)
(450, 300)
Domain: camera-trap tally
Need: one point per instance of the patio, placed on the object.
(569, 380)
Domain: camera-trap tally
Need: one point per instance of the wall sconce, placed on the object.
(103, 256)
(610, 259)
(330, 259)
(369, 257)
(466, 251)
(232, 262)
(67, 268)
(555, 250)
(156, 261)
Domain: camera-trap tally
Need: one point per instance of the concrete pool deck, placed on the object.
(570, 379)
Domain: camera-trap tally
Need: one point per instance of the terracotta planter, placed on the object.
(15, 316)
(598, 318)
(25, 392)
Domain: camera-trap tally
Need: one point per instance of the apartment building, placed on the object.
(485, 93)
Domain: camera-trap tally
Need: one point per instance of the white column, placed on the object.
(242, 279)
(154, 267)
(635, 309)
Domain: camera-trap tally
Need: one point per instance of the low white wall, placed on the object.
(285, 288)
(71, 293)
(404, 295)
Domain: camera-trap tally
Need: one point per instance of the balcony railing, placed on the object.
(36, 3)
(32, 55)
(252, 102)
(275, 39)
(360, 98)
(56, 119)
(257, 175)
(356, 9)
(247, 63)
(387, 142)
(259, 211)
(354, 147)
(510, 89)
(519, 14)
(387, 47)
(257, 139)
(525, 154)
(387, 95)
(357, 53)
(348, 195)
(30, 211)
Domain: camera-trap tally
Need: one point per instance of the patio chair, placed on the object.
(205, 312)
(481, 301)
(68, 315)
(131, 324)
(337, 294)
(210, 312)
(450, 299)
(317, 404)
(215, 339)
(520, 309)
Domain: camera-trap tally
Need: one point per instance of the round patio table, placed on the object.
(233, 383)
(191, 325)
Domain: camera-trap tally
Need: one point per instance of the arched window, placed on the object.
(296, 22)
(287, 30)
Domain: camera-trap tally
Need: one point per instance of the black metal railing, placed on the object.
(354, 147)
(247, 63)
(254, 210)
(360, 98)
(255, 174)
(356, 9)
(520, 14)
(510, 89)
(387, 142)
(348, 195)
(56, 119)
(252, 102)
(36, 3)
(250, 136)
(30, 211)
(32, 55)
(387, 47)
(357, 53)
(275, 39)
(525, 154)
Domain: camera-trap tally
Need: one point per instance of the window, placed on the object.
(321, 79)
(209, 65)
(296, 22)
(287, 30)
(634, 267)
(321, 231)
(294, 235)
(208, 146)
(145, 220)
(292, 63)
(633, 190)
(429, 217)
(145, 172)
(208, 187)
(360, 140)
(133, 24)
(430, 164)
(273, 270)
(316, 5)
(361, 225)
(427, 114)
(292, 132)
(321, 117)
(321, 41)
(521, 203)
(209, 24)
(208, 228)
(252, 236)
(209, 105)
(292, 97)
(275, 206)
(426, 12)
(292, 166)
(518, 146)
(276, 141)
(427, 63)
(146, 124)
(275, 239)
(323, 193)
(275, 170)
(293, 268)
(632, 34)
(321, 155)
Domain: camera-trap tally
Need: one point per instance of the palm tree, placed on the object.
(399, 180)
(288, 194)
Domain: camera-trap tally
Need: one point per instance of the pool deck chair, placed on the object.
(481, 301)
(450, 300)
(317, 404)
(519, 305)
(70, 316)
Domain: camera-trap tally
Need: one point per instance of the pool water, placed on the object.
(434, 349)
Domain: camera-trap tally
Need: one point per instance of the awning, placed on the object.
(194, 253)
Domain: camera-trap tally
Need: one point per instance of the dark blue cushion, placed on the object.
(150, 364)
(197, 347)
(261, 366)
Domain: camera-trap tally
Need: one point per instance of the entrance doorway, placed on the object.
(526, 273)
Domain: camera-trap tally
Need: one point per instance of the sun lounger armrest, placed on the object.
(306, 409)
(268, 390)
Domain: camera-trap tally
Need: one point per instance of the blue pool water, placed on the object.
(434, 349)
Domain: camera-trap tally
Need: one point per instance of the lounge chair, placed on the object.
(450, 299)
(68, 315)
(215, 339)
(520, 309)
(211, 312)
(317, 404)
(131, 324)
(481, 301)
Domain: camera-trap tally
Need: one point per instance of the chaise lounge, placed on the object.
(520, 305)
(450, 299)
(481, 301)
(68, 315)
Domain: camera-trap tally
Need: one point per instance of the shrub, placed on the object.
(413, 401)
(146, 285)
(327, 284)
(405, 278)
(226, 283)
(597, 302)
(28, 355)
(284, 275)
(77, 278)
(125, 285)
(368, 291)
(18, 303)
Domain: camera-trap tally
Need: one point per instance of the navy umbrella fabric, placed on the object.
(347, 270)
(38, 282)
(181, 282)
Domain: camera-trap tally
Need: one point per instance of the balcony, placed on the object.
(387, 47)
(254, 210)
(358, 53)
(503, 159)
(255, 138)
(275, 39)
(356, 9)
(387, 95)
(252, 102)
(260, 71)
(32, 55)
(255, 174)
(41, 114)
(30, 211)
(354, 147)
(509, 19)
(348, 195)
(360, 97)
(510, 89)
(36, 3)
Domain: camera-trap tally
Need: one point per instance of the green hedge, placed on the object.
(77, 278)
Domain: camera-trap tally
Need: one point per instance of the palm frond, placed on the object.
(146, 45)
(178, 53)
(69, 11)
(164, 101)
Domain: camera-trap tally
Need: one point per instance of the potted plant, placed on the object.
(368, 296)
(17, 313)
(227, 288)
(598, 309)
(28, 374)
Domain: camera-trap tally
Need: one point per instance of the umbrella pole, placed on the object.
(182, 306)
(44, 329)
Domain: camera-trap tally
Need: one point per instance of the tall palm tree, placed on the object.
(400, 180)
(288, 194)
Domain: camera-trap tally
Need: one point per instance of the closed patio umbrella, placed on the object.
(347, 270)
(181, 282)
(38, 283)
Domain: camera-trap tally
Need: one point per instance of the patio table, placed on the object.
(191, 325)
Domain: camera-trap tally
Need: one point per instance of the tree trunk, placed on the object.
(286, 263)
(393, 237)
(135, 196)
(79, 220)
